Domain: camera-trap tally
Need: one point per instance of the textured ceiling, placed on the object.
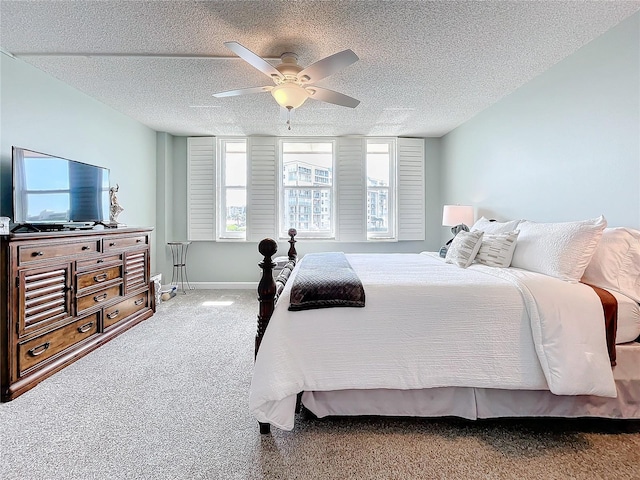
(424, 68)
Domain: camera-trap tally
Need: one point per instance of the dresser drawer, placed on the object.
(43, 347)
(117, 243)
(33, 253)
(105, 275)
(125, 309)
(92, 263)
(98, 298)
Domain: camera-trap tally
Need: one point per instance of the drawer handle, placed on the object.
(140, 301)
(85, 328)
(34, 352)
(112, 244)
(100, 278)
(37, 254)
(100, 298)
(84, 247)
(113, 315)
(100, 260)
(139, 240)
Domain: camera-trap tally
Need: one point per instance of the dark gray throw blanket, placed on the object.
(326, 280)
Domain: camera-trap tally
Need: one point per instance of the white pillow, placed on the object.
(496, 250)
(487, 226)
(464, 248)
(616, 262)
(561, 250)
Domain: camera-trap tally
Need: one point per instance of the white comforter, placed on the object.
(431, 324)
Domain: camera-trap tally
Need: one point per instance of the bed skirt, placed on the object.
(474, 403)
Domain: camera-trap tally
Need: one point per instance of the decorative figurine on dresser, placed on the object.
(115, 208)
(66, 293)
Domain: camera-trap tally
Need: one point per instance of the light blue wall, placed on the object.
(41, 113)
(564, 147)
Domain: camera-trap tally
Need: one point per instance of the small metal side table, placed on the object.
(179, 274)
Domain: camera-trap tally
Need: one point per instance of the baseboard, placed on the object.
(224, 285)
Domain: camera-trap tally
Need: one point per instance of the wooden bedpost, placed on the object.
(266, 294)
(292, 254)
(266, 288)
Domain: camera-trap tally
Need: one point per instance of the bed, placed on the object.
(473, 340)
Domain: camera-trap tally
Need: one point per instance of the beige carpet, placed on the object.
(168, 400)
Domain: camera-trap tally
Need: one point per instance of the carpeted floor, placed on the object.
(168, 400)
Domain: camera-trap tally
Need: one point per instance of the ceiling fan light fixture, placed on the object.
(289, 95)
(295, 84)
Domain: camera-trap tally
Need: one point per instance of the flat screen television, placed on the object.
(53, 190)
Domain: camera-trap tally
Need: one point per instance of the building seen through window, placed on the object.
(380, 168)
(308, 187)
(233, 188)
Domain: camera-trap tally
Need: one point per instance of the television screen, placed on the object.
(50, 189)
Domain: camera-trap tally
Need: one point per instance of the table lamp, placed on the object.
(458, 217)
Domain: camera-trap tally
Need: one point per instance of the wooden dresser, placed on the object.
(64, 294)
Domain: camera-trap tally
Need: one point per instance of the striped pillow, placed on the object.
(464, 247)
(497, 249)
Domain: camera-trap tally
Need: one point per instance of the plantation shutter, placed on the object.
(410, 185)
(351, 190)
(262, 194)
(201, 188)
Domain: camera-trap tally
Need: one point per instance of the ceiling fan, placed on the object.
(294, 84)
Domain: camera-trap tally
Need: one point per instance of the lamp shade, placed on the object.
(289, 95)
(453, 215)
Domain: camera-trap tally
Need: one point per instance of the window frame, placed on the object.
(282, 223)
(392, 231)
(221, 214)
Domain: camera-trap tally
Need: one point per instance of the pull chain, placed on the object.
(289, 117)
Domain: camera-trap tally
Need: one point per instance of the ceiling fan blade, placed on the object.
(329, 96)
(243, 91)
(327, 66)
(252, 59)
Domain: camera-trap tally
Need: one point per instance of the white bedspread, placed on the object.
(431, 324)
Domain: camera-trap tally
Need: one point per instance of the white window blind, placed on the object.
(201, 188)
(262, 195)
(351, 182)
(411, 192)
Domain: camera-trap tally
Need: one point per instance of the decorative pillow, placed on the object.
(464, 248)
(496, 250)
(616, 262)
(561, 250)
(487, 226)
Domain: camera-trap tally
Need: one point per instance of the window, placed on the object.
(380, 165)
(307, 188)
(233, 189)
(348, 189)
